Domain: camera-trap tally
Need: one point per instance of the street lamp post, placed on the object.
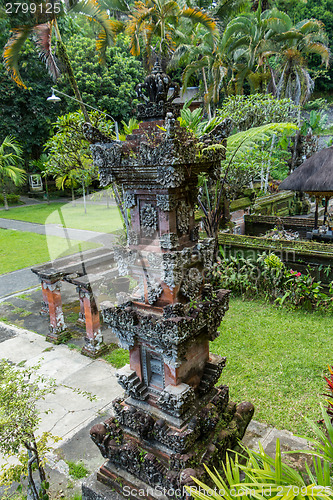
(54, 98)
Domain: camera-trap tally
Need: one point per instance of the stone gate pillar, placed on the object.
(52, 296)
(94, 340)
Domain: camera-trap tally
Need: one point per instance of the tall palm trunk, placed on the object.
(5, 201)
(206, 93)
(63, 56)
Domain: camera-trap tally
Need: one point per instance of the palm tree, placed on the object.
(10, 157)
(43, 31)
(249, 38)
(158, 19)
(205, 54)
(297, 43)
(254, 38)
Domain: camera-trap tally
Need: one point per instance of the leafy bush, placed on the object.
(272, 280)
(13, 199)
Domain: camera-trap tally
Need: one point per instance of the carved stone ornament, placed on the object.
(169, 241)
(183, 217)
(132, 237)
(176, 400)
(172, 269)
(124, 259)
(154, 291)
(129, 200)
(154, 91)
(192, 283)
(165, 202)
(156, 86)
(170, 177)
(148, 217)
(154, 260)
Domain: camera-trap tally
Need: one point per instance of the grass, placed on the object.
(26, 297)
(276, 359)
(117, 358)
(98, 217)
(19, 249)
(77, 469)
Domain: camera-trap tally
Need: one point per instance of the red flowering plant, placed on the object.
(330, 395)
(301, 290)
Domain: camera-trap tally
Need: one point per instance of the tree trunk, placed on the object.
(63, 56)
(5, 201)
(73, 197)
(47, 191)
(206, 92)
(84, 197)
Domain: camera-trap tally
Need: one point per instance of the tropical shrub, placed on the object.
(269, 278)
(12, 199)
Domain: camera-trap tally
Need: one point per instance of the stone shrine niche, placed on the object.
(172, 419)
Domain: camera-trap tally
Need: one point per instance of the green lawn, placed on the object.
(98, 217)
(276, 359)
(20, 249)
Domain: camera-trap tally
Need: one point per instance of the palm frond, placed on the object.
(198, 16)
(43, 34)
(94, 12)
(322, 50)
(12, 50)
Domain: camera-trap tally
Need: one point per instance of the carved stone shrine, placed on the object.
(172, 419)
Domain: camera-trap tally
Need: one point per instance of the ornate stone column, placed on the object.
(82, 320)
(51, 291)
(172, 420)
(94, 340)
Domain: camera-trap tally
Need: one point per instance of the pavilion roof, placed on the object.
(315, 175)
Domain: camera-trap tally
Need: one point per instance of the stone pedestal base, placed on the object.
(147, 452)
(58, 338)
(94, 351)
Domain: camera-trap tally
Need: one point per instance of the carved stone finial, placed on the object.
(154, 91)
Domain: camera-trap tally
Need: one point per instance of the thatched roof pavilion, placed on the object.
(315, 177)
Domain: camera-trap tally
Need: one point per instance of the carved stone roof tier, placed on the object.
(159, 155)
(168, 333)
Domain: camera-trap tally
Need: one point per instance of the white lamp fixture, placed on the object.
(53, 97)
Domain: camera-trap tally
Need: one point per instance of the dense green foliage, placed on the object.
(25, 113)
(109, 87)
(269, 278)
